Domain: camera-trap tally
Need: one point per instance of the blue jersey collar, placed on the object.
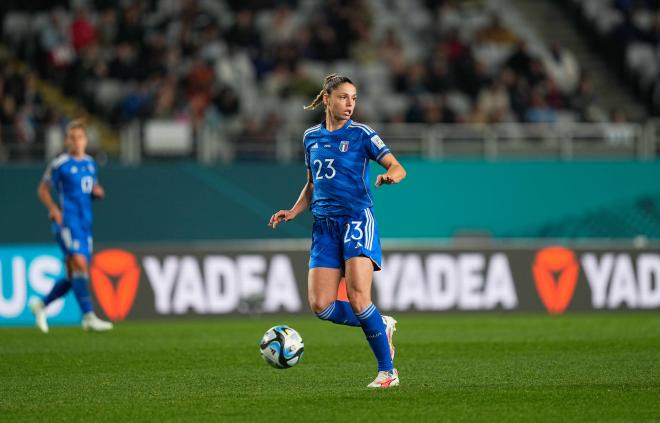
(324, 130)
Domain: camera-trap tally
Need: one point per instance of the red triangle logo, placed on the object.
(122, 265)
(556, 272)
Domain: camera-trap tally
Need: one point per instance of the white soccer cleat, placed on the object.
(39, 310)
(92, 322)
(390, 328)
(385, 380)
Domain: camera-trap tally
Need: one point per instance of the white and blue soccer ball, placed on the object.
(282, 347)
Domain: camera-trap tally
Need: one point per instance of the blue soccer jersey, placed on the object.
(73, 180)
(339, 163)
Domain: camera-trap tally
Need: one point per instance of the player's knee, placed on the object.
(78, 264)
(359, 300)
(318, 305)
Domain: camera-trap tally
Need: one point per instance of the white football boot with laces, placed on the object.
(385, 380)
(91, 322)
(39, 310)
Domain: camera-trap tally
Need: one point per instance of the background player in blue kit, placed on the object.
(345, 237)
(73, 176)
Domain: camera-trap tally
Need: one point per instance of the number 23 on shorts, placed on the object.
(353, 231)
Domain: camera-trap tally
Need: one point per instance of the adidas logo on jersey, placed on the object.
(315, 145)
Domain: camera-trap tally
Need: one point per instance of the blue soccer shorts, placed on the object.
(72, 239)
(338, 239)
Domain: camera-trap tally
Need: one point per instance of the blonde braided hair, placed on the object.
(330, 82)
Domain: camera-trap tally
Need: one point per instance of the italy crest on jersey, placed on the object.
(343, 146)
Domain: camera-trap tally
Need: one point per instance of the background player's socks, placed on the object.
(79, 284)
(60, 288)
(341, 313)
(373, 327)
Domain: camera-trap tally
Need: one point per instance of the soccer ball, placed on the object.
(282, 347)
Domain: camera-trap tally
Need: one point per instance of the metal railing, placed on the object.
(225, 144)
(502, 141)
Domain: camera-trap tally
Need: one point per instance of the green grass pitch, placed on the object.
(477, 367)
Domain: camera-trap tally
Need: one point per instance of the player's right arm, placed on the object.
(51, 176)
(54, 212)
(302, 204)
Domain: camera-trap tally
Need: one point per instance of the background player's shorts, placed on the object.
(73, 240)
(337, 239)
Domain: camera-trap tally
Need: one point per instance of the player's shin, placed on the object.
(339, 312)
(374, 329)
(60, 289)
(81, 290)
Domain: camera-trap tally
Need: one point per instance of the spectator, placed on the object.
(125, 65)
(497, 33)
(136, 104)
(54, 40)
(390, 47)
(553, 95)
(83, 32)
(439, 80)
(106, 28)
(131, 30)
(520, 60)
(539, 111)
(243, 34)
(165, 99)
(583, 102)
(227, 102)
(563, 68)
(493, 103)
(618, 132)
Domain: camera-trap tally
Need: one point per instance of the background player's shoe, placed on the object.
(390, 328)
(385, 380)
(92, 322)
(39, 310)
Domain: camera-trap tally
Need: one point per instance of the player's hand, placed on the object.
(98, 192)
(281, 216)
(55, 215)
(384, 179)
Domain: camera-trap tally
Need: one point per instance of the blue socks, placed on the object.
(341, 313)
(374, 328)
(60, 288)
(79, 284)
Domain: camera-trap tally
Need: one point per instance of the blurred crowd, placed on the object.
(627, 34)
(252, 65)
(23, 112)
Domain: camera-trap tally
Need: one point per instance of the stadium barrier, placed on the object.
(561, 140)
(247, 278)
(140, 141)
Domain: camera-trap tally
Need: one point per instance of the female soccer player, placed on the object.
(73, 176)
(345, 236)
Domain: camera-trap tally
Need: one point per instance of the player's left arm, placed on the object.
(98, 193)
(395, 172)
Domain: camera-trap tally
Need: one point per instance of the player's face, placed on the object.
(77, 141)
(341, 102)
